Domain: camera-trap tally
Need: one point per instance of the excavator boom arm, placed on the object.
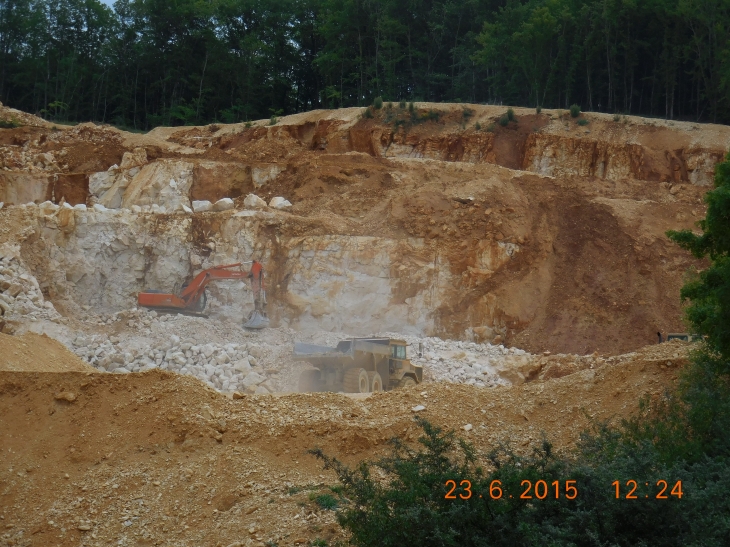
(195, 289)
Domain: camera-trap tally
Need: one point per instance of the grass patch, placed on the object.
(273, 120)
(491, 127)
(582, 122)
(478, 126)
(367, 114)
(574, 110)
(504, 120)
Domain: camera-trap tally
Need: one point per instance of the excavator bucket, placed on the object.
(256, 321)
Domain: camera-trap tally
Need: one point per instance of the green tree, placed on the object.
(709, 292)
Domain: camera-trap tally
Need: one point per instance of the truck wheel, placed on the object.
(356, 381)
(310, 380)
(375, 381)
(406, 381)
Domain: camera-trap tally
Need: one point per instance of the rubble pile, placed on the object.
(21, 297)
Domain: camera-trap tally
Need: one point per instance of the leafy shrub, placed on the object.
(582, 121)
(378, 103)
(432, 115)
(248, 125)
(326, 501)
(411, 107)
(9, 124)
(504, 120)
(478, 126)
(467, 113)
(318, 543)
(491, 127)
(389, 106)
(510, 114)
(574, 110)
(273, 120)
(367, 113)
(538, 109)
(616, 117)
(402, 104)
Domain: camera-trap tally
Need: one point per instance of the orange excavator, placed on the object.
(192, 298)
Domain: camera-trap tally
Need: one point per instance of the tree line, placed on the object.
(174, 62)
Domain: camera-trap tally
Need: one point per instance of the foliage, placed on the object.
(709, 290)
(367, 113)
(401, 104)
(504, 120)
(510, 114)
(538, 109)
(582, 122)
(12, 123)
(273, 120)
(400, 500)
(148, 62)
(478, 126)
(491, 127)
(574, 110)
(325, 501)
(378, 103)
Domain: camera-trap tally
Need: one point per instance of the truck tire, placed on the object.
(356, 381)
(310, 380)
(406, 381)
(375, 382)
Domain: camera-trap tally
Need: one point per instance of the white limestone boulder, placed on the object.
(202, 206)
(225, 204)
(279, 203)
(252, 201)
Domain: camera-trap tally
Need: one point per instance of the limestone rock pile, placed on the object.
(481, 365)
(20, 294)
(216, 354)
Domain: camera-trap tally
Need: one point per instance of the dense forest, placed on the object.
(173, 62)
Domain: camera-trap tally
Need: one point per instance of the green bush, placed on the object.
(389, 106)
(402, 104)
(616, 117)
(504, 120)
(538, 109)
(574, 110)
(491, 127)
(582, 121)
(478, 126)
(9, 124)
(273, 120)
(367, 113)
(326, 501)
(510, 114)
(467, 113)
(411, 107)
(378, 103)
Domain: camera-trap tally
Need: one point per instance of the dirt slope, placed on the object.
(159, 459)
(38, 353)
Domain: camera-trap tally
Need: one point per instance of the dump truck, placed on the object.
(357, 365)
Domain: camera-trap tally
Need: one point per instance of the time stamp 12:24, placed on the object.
(541, 490)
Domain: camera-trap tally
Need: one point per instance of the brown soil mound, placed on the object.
(38, 353)
(159, 459)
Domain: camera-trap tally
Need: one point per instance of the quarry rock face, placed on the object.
(542, 232)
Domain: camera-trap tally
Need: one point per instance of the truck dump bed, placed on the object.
(346, 348)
